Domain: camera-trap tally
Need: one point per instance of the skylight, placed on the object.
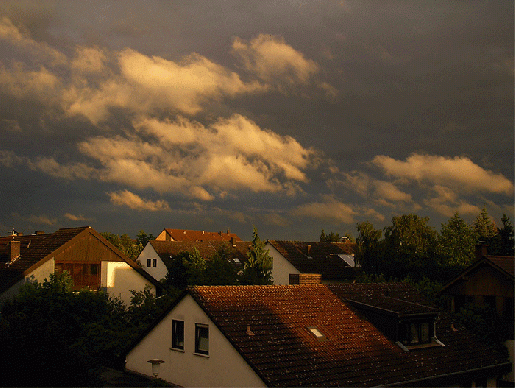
(317, 333)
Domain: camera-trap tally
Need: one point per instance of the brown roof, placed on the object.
(207, 249)
(268, 326)
(400, 299)
(316, 257)
(38, 248)
(502, 264)
(200, 235)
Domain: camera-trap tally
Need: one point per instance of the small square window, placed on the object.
(201, 339)
(154, 262)
(317, 333)
(149, 262)
(177, 334)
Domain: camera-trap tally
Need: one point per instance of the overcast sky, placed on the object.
(291, 116)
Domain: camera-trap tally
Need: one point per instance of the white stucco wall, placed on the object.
(223, 367)
(39, 274)
(118, 278)
(159, 271)
(281, 268)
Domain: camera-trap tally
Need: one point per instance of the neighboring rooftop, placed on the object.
(330, 259)
(237, 251)
(309, 335)
(195, 235)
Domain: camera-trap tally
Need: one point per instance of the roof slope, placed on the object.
(200, 235)
(268, 325)
(207, 249)
(316, 257)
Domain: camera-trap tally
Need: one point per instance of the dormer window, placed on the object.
(414, 333)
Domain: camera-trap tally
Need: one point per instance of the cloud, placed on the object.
(460, 173)
(42, 51)
(186, 157)
(73, 217)
(271, 59)
(50, 166)
(133, 201)
(447, 203)
(40, 85)
(42, 219)
(330, 209)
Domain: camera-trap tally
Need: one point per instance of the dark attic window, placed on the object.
(413, 333)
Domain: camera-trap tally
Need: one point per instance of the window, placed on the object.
(177, 334)
(201, 339)
(149, 263)
(154, 262)
(416, 332)
(317, 333)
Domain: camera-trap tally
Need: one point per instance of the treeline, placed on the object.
(410, 247)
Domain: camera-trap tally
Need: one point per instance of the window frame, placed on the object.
(154, 263)
(177, 334)
(413, 329)
(149, 263)
(199, 328)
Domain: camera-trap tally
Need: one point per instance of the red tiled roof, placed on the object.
(207, 249)
(322, 257)
(200, 235)
(268, 325)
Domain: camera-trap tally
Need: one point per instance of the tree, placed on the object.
(219, 271)
(258, 267)
(410, 247)
(129, 247)
(484, 227)
(142, 238)
(456, 242)
(502, 242)
(331, 237)
(368, 253)
(195, 266)
(50, 335)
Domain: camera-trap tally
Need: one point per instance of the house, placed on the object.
(195, 235)
(157, 255)
(487, 282)
(334, 261)
(91, 260)
(308, 335)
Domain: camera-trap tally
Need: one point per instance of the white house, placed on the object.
(332, 260)
(309, 335)
(155, 257)
(91, 260)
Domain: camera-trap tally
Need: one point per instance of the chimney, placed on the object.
(305, 278)
(481, 249)
(309, 249)
(14, 250)
(232, 242)
(37, 232)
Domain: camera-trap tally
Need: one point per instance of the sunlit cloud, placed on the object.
(330, 209)
(272, 59)
(42, 220)
(460, 173)
(73, 217)
(133, 201)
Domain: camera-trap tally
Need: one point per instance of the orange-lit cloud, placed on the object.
(133, 201)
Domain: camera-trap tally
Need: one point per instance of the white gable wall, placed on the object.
(118, 278)
(223, 367)
(159, 271)
(39, 274)
(281, 268)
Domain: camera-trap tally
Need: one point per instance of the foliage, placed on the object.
(484, 227)
(456, 242)
(219, 271)
(258, 268)
(142, 238)
(368, 248)
(51, 336)
(129, 247)
(331, 237)
(502, 243)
